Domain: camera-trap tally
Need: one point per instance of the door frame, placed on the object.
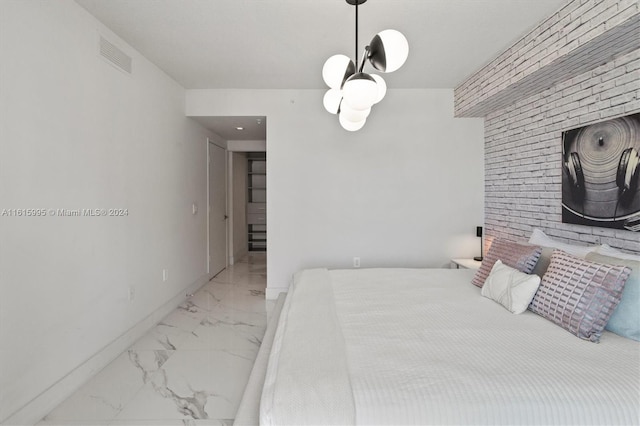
(230, 211)
(237, 146)
(226, 208)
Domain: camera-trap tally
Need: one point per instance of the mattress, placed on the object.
(421, 346)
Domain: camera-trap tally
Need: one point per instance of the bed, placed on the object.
(422, 346)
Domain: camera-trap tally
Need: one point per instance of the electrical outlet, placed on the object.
(356, 262)
(131, 293)
(165, 275)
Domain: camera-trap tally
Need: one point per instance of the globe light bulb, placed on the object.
(360, 91)
(336, 70)
(388, 50)
(382, 87)
(350, 125)
(331, 100)
(353, 115)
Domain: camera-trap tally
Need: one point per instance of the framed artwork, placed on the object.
(601, 169)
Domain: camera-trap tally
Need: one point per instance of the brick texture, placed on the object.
(523, 153)
(577, 38)
(523, 129)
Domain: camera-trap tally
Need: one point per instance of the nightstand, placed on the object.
(465, 264)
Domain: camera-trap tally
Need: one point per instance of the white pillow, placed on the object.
(607, 250)
(539, 238)
(511, 288)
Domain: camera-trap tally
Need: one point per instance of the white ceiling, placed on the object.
(236, 127)
(282, 44)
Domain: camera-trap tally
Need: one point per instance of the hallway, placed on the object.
(191, 369)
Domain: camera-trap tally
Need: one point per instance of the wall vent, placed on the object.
(115, 56)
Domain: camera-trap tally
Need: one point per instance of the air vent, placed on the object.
(114, 55)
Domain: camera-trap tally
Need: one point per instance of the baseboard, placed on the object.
(50, 398)
(273, 292)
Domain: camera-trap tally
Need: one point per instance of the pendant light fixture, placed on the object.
(353, 92)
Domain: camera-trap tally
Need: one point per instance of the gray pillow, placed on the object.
(579, 295)
(625, 320)
(543, 261)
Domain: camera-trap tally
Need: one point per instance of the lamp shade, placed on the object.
(336, 70)
(360, 91)
(388, 50)
(331, 100)
(350, 125)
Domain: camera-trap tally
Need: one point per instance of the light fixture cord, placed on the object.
(357, 1)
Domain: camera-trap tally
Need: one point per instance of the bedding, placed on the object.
(625, 320)
(579, 295)
(539, 238)
(607, 250)
(422, 346)
(511, 288)
(543, 261)
(522, 257)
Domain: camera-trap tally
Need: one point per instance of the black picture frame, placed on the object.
(600, 174)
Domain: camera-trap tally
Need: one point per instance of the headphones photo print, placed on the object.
(600, 174)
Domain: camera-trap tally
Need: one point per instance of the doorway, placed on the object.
(247, 200)
(217, 203)
(257, 201)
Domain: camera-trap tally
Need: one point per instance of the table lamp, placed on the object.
(479, 234)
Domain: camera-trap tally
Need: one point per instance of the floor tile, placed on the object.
(174, 329)
(192, 385)
(165, 422)
(238, 332)
(191, 368)
(104, 396)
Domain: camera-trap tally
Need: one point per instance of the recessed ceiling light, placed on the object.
(239, 128)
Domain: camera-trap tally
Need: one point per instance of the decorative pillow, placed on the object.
(625, 320)
(522, 257)
(510, 288)
(543, 261)
(539, 238)
(579, 295)
(607, 250)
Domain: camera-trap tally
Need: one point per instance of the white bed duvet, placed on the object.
(421, 346)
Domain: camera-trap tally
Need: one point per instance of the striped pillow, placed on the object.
(579, 295)
(522, 257)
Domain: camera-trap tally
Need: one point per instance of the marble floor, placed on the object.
(191, 369)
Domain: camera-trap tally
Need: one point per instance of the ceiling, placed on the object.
(236, 128)
(282, 44)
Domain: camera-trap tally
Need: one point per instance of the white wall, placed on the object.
(77, 133)
(247, 145)
(407, 190)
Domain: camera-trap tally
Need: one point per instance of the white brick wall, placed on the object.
(578, 67)
(577, 38)
(523, 153)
